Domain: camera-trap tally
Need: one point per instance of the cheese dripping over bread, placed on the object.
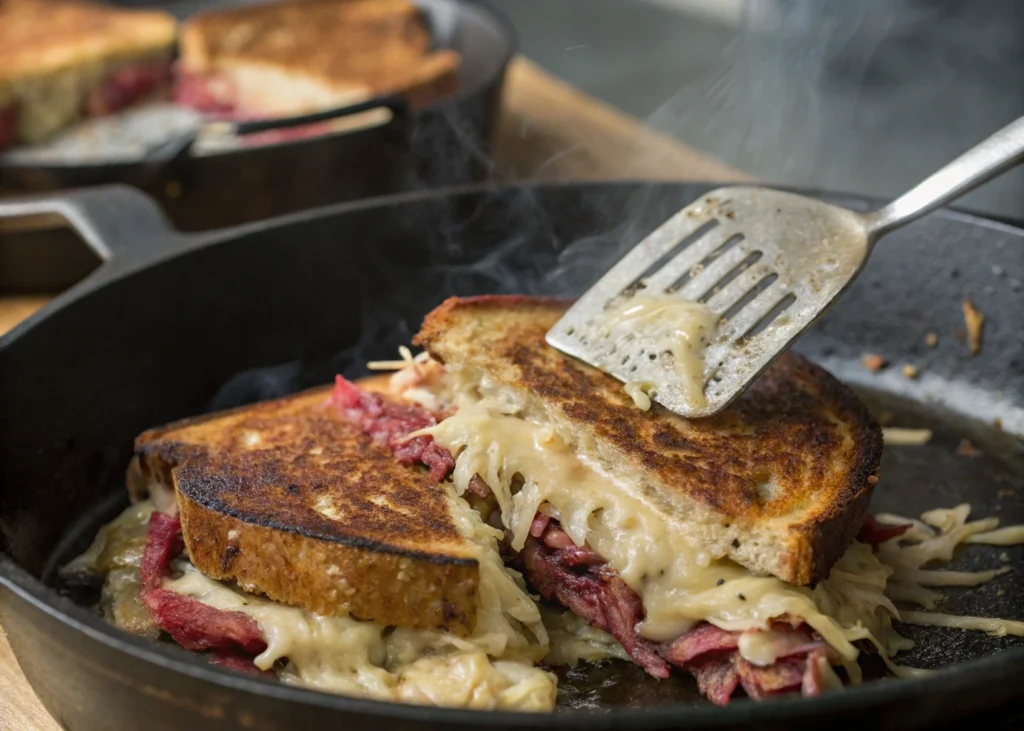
(493, 668)
(675, 326)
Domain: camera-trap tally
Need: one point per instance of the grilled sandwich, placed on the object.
(292, 538)
(372, 539)
(62, 60)
(289, 58)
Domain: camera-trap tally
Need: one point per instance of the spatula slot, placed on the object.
(773, 314)
(750, 295)
(705, 265)
(660, 263)
(721, 283)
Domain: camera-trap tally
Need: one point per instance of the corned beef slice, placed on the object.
(195, 91)
(716, 676)
(593, 590)
(871, 531)
(192, 624)
(601, 598)
(237, 661)
(811, 684)
(390, 423)
(125, 86)
(200, 92)
(701, 640)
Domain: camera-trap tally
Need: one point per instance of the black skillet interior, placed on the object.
(241, 316)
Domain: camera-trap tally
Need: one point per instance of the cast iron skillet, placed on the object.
(443, 144)
(173, 325)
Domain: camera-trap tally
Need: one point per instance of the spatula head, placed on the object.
(764, 262)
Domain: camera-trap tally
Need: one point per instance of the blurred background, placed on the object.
(863, 96)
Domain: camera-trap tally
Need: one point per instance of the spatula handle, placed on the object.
(978, 165)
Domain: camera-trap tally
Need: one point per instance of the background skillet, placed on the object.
(443, 144)
(133, 346)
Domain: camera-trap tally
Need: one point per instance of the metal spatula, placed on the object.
(766, 263)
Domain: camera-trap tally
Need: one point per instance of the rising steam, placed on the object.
(499, 241)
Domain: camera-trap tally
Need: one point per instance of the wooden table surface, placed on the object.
(548, 131)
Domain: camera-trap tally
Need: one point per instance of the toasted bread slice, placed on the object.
(779, 482)
(290, 500)
(291, 58)
(55, 54)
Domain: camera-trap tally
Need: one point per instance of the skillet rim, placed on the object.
(957, 678)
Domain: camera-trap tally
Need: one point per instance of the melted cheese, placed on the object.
(765, 647)
(507, 618)
(575, 640)
(492, 668)
(1011, 535)
(678, 326)
(637, 390)
(344, 655)
(679, 582)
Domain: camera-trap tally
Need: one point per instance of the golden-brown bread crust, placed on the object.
(290, 500)
(40, 37)
(382, 46)
(796, 424)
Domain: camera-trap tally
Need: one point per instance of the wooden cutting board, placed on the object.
(548, 131)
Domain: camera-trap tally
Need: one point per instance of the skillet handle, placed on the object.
(179, 147)
(114, 220)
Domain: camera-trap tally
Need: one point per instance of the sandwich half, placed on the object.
(288, 539)
(291, 58)
(62, 60)
(694, 543)
(736, 547)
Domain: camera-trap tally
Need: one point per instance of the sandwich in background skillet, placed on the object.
(291, 58)
(737, 549)
(63, 60)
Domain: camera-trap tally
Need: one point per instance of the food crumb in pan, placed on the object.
(874, 362)
(900, 437)
(975, 321)
(911, 371)
(931, 339)
(966, 449)
(1004, 557)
